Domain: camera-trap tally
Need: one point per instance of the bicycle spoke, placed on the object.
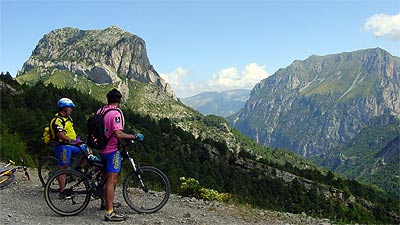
(149, 193)
(75, 197)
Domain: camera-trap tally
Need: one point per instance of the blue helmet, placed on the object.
(65, 102)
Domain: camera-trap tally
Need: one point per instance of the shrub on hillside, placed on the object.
(190, 187)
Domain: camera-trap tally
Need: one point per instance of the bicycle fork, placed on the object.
(137, 171)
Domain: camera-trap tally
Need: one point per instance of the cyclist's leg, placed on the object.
(112, 162)
(79, 159)
(63, 153)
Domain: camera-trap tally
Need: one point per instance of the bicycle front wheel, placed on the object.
(76, 195)
(47, 166)
(6, 179)
(147, 190)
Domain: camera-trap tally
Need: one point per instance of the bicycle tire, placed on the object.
(6, 179)
(151, 198)
(47, 166)
(77, 193)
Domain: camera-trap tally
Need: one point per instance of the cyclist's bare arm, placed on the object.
(119, 134)
(63, 137)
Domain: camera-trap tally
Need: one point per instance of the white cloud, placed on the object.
(230, 78)
(384, 25)
(225, 79)
(175, 77)
(177, 80)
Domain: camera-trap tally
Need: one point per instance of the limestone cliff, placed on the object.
(323, 101)
(103, 56)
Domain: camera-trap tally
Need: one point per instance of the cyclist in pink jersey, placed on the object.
(111, 156)
(113, 120)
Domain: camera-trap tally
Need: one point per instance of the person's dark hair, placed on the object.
(114, 96)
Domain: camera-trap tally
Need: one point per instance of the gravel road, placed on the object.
(23, 203)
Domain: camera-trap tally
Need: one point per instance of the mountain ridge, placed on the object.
(313, 106)
(293, 97)
(224, 103)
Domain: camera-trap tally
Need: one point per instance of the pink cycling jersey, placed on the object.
(113, 120)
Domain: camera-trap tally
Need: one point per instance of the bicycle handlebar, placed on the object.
(123, 143)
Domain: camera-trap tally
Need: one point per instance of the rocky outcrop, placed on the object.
(323, 101)
(103, 56)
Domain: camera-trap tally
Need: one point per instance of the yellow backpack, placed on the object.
(49, 136)
(46, 135)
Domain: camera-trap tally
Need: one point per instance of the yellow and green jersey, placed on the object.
(62, 124)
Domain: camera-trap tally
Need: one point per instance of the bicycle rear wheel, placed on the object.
(152, 195)
(76, 195)
(47, 166)
(6, 179)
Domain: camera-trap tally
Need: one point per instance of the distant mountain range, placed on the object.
(223, 103)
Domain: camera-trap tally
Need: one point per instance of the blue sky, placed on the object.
(210, 45)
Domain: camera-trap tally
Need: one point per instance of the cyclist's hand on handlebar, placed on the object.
(77, 141)
(139, 137)
(93, 158)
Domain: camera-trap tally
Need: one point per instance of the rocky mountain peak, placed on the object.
(322, 101)
(103, 56)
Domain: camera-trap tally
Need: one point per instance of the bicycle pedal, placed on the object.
(95, 196)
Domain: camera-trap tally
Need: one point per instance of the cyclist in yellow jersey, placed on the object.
(63, 128)
(67, 126)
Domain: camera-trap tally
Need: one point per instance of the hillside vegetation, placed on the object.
(380, 165)
(262, 177)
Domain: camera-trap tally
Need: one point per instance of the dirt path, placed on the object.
(23, 203)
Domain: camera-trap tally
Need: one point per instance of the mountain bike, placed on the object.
(7, 176)
(146, 189)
